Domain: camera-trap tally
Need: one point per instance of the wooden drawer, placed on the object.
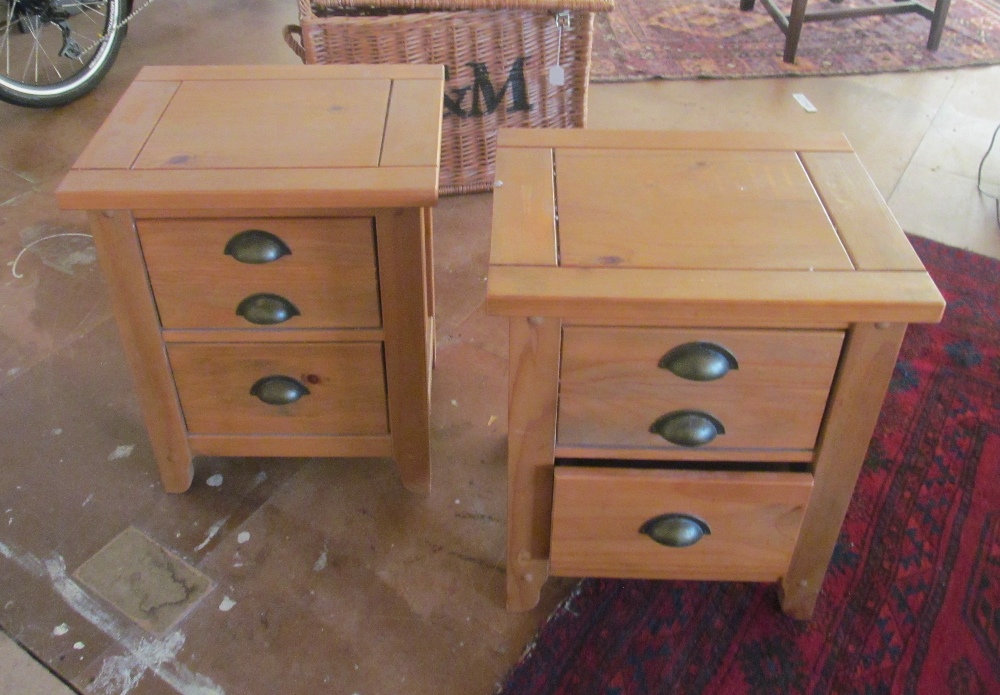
(329, 276)
(752, 522)
(771, 397)
(345, 382)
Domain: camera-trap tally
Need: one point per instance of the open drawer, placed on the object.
(672, 524)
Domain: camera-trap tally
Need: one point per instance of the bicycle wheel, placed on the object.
(55, 51)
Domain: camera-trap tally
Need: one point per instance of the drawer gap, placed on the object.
(725, 466)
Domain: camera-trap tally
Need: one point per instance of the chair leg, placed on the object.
(795, 20)
(746, 5)
(937, 23)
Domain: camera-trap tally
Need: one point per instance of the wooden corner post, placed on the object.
(866, 366)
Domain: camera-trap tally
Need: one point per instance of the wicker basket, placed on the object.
(497, 55)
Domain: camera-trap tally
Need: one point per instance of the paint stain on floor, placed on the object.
(145, 581)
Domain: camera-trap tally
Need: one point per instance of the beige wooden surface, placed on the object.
(330, 275)
(708, 140)
(337, 123)
(428, 223)
(778, 231)
(328, 141)
(174, 73)
(692, 209)
(414, 115)
(621, 416)
(120, 139)
(532, 398)
(710, 455)
(754, 520)
(857, 208)
(612, 390)
(345, 382)
(285, 445)
(120, 256)
(263, 213)
(765, 358)
(713, 297)
(178, 140)
(273, 335)
(401, 238)
(21, 672)
(869, 359)
(277, 190)
(524, 230)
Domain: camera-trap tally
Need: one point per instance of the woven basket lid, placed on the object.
(428, 5)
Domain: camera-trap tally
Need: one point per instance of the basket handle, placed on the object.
(289, 32)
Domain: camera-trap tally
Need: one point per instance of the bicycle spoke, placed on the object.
(89, 10)
(52, 63)
(35, 51)
(52, 51)
(6, 36)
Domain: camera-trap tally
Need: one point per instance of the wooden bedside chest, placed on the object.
(265, 235)
(702, 330)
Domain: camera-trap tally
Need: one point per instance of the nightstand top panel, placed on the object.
(597, 225)
(691, 209)
(266, 136)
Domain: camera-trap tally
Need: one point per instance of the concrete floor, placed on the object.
(325, 575)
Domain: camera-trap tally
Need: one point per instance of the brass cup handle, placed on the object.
(278, 390)
(688, 427)
(266, 309)
(699, 361)
(675, 530)
(256, 246)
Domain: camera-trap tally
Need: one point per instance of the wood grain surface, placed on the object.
(754, 520)
(330, 275)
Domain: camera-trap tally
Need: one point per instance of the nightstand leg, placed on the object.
(534, 379)
(131, 298)
(402, 262)
(429, 249)
(866, 366)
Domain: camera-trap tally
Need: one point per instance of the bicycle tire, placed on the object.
(29, 75)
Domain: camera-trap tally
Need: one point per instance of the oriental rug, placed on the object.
(911, 601)
(686, 39)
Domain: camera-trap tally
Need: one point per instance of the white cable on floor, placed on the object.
(979, 177)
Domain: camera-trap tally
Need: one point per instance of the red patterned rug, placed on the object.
(684, 39)
(911, 603)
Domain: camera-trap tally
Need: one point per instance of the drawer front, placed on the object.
(710, 526)
(344, 388)
(762, 389)
(234, 273)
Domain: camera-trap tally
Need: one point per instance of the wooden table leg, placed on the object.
(534, 377)
(937, 24)
(402, 265)
(429, 254)
(796, 18)
(131, 298)
(867, 363)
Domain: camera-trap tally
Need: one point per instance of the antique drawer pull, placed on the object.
(278, 390)
(688, 427)
(256, 246)
(266, 309)
(699, 361)
(675, 530)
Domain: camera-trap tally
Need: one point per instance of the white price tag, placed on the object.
(557, 75)
(804, 102)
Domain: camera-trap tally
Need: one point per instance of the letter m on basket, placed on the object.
(482, 97)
